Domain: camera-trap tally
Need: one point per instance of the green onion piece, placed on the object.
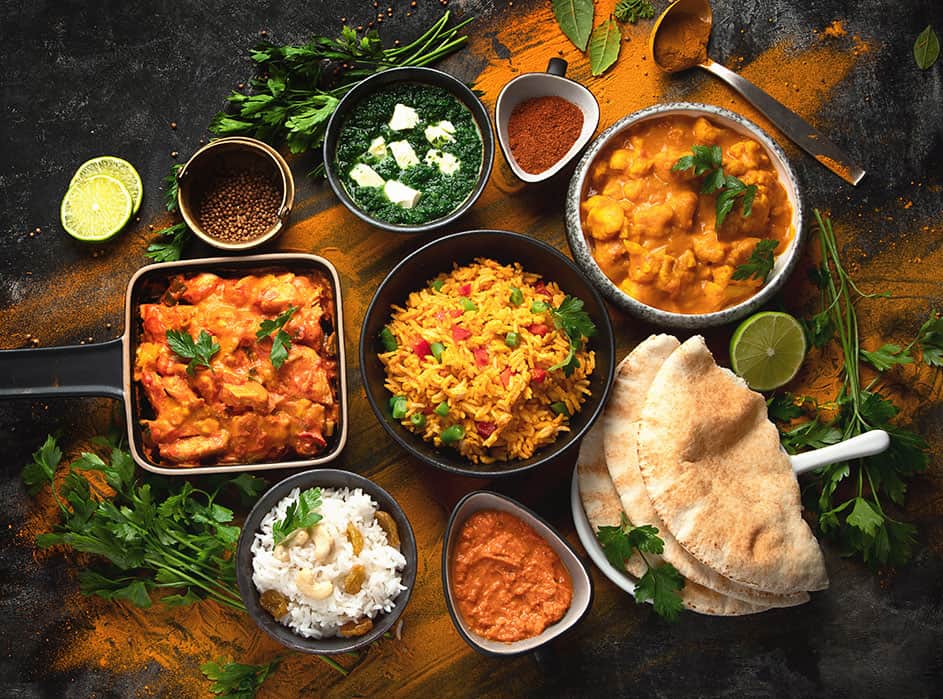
(468, 305)
(539, 307)
(417, 420)
(398, 406)
(452, 434)
(442, 409)
(387, 339)
(438, 284)
(437, 349)
(560, 408)
(511, 339)
(517, 297)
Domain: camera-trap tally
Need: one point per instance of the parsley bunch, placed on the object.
(661, 583)
(708, 160)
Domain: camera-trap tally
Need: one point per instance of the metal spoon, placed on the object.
(692, 19)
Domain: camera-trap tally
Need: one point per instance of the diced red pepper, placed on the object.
(485, 429)
(538, 375)
(481, 356)
(421, 348)
(541, 288)
(539, 329)
(459, 333)
(506, 377)
(440, 316)
(465, 290)
(457, 312)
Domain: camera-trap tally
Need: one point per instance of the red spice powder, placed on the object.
(541, 130)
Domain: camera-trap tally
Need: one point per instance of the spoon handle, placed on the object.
(811, 140)
(867, 444)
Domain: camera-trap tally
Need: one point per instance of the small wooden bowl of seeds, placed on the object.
(235, 193)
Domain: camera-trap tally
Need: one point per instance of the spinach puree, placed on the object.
(441, 194)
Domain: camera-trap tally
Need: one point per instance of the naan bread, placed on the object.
(718, 479)
(634, 377)
(601, 504)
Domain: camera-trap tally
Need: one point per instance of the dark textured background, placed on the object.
(81, 79)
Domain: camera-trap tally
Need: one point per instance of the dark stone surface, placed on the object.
(80, 79)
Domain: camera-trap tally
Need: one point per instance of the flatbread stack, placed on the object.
(686, 446)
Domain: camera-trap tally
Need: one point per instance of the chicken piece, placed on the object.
(605, 219)
(721, 275)
(157, 319)
(708, 249)
(612, 258)
(639, 167)
(684, 204)
(200, 286)
(279, 295)
(305, 375)
(652, 221)
(644, 267)
(613, 188)
(247, 396)
(743, 156)
(192, 450)
(705, 133)
(619, 160)
(713, 297)
(741, 250)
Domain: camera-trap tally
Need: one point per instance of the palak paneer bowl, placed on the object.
(686, 215)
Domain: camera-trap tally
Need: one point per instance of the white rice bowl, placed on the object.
(314, 618)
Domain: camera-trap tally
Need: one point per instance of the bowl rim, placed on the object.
(688, 321)
(249, 594)
(583, 569)
(552, 450)
(284, 209)
(460, 91)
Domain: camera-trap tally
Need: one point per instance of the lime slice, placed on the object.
(96, 208)
(120, 169)
(767, 350)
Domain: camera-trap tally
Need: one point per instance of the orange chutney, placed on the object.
(653, 232)
(507, 583)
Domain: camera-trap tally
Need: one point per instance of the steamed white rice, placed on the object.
(322, 618)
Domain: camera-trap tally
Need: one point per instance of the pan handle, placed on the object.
(73, 370)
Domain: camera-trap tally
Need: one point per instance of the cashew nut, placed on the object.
(310, 586)
(323, 543)
(281, 553)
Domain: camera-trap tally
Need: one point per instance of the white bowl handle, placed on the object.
(867, 444)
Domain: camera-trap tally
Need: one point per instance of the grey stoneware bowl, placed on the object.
(462, 248)
(324, 478)
(785, 261)
(428, 76)
(579, 575)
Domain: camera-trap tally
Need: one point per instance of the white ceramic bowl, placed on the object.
(549, 84)
(786, 260)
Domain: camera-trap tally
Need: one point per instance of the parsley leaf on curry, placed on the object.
(281, 343)
(760, 264)
(708, 160)
(301, 514)
(573, 321)
(199, 352)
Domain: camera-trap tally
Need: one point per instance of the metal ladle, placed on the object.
(692, 20)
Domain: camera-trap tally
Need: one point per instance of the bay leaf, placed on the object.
(926, 48)
(575, 18)
(604, 45)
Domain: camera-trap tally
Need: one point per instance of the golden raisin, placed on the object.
(354, 580)
(388, 525)
(274, 602)
(355, 538)
(353, 629)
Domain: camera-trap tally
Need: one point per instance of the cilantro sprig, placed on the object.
(170, 243)
(632, 11)
(661, 583)
(281, 343)
(235, 680)
(301, 514)
(707, 161)
(199, 352)
(569, 318)
(761, 261)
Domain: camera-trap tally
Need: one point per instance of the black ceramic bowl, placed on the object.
(325, 478)
(462, 248)
(427, 76)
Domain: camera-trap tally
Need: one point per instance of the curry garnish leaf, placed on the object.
(235, 680)
(604, 45)
(301, 514)
(632, 11)
(926, 48)
(760, 264)
(734, 189)
(570, 318)
(661, 584)
(281, 343)
(171, 248)
(704, 159)
(708, 160)
(200, 352)
(575, 18)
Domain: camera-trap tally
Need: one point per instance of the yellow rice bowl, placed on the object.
(501, 396)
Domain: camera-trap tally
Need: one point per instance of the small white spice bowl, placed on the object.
(233, 152)
(549, 84)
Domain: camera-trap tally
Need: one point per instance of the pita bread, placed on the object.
(719, 480)
(633, 378)
(601, 503)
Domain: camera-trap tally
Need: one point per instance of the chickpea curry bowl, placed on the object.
(687, 215)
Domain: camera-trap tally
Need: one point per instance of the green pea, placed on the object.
(437, 348)
(539, 307)
(559, 408)
(511, 339)
(417, 420)
(442, 409)
(452, 433)
(517, 297)
(468, 305)
(398, 407)
(438, 284)
(387, 339)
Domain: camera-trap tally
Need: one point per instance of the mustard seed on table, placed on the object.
(240, 206)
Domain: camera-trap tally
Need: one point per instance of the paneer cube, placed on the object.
(403, 118)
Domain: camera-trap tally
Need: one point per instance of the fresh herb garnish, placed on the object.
(708, 160)
(171, 187)
(760, 264)
(576, 324)
(387, 339)
(926, 48)
(604, 45)
(632, 11)
(301, 514)
(199, 353)
(704, 159)
(575, 18)
(170, 249)
(281, 343)
(661, 583)
(929, 343)
(235, 680)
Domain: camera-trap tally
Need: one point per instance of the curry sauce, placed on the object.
(652, 230)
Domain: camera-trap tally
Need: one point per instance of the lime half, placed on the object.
(120, 169)
(96, 208)
(767, 350)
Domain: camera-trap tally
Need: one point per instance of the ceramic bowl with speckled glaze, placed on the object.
(785, 261)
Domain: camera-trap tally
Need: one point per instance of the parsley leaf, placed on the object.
(199, 352)
(171, 186)
(301, 514)
(42, 468)
(887, 356)
(281, 343)
(760, 264)
(930, 340)
(576, 324)
(709, 160)
(705, 159)
(734, 189)
(235, 680)
(782, 407)
(661, 585)
(632, 11)
(170, 249)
